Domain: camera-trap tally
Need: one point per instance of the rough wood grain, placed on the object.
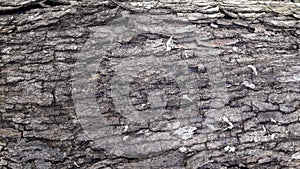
(69, 70)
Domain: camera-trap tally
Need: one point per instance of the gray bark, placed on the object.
(168, 84)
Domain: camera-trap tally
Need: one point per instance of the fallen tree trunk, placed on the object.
(156, 84)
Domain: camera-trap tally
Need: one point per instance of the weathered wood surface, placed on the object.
(93, 84)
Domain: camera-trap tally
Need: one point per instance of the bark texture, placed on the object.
(154, 84)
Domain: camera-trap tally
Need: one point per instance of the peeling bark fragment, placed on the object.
(264, 106)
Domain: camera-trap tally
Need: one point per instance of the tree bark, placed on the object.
(155, 84)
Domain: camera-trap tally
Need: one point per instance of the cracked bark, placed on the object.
(239, 119)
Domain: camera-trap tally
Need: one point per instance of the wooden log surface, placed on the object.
(152, 84)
